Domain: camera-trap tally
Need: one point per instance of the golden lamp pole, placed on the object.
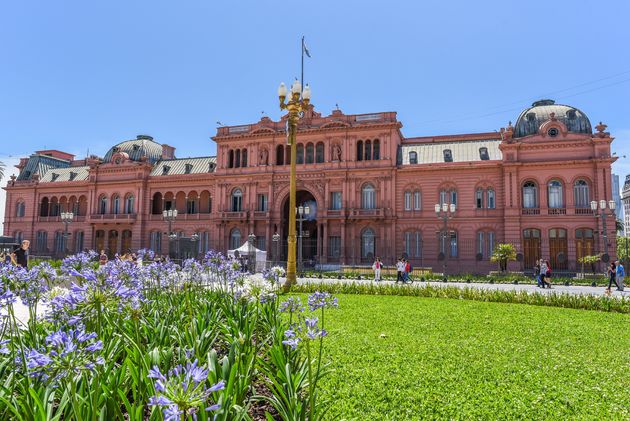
(296, 106)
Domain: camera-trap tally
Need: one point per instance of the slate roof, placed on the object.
(462, 151)
(41, 164)
(65, 174)
(199, 165)
(529, 120)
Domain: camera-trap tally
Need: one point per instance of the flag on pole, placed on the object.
(308, 53)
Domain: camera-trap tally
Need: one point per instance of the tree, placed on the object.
(623, 247)
(589, 260)
(619, 225)
(502, 254)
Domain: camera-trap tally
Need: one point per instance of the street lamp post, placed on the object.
(170, 216)
(603, 206)
(303, 212)
(66, 218)
(251, 239)
(297, 104)
(276, 240)
(445, 212)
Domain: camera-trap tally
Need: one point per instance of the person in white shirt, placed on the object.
(376, 267)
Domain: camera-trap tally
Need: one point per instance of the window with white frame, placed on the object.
(237, 201)
(116, 205)
(335, 200)
(530, 195)
(20, 209)
(129, 204)
(262, 203)
(235, 239)
(479, 199)
(407, 200)
(102, 207)
(581, 194)
(555, 194)
(417, 200)
(490, 199)
(155, 241)
(78, 241)
(368, 244)
(368, 197)
(41, 241)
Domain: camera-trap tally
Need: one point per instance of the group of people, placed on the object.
(542, 273)
(616, 275)
(403, 270)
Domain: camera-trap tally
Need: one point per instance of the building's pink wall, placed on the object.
(534, 158)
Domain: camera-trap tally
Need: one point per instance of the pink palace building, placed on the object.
(370, 190)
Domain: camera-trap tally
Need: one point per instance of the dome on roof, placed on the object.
(142, 146)
(530, 120)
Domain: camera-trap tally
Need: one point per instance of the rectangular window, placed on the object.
(418, 244)
(168, 205)
(262, 202)
(443, 197)
(335, 200)
(479, 199)
(209, 205)
(156, 241)
(480, 244)
(334, 247)
(407, 200)
(490, 244)
(453, 244)
(454, 197)
(417, 201)
(261, 243)
(42, 240)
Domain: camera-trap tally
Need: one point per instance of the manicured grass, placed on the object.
(399, 358)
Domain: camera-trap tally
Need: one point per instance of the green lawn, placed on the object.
(398, 358)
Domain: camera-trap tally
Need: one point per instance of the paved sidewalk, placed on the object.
(558, 289)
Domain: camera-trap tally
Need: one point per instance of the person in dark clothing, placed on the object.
(612, 274)
(21, 254)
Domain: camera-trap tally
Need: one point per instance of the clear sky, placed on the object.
(86, 74)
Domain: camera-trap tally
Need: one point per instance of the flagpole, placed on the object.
(302, 75)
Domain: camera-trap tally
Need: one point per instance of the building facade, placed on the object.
(370, 191)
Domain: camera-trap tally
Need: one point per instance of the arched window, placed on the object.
(102, 205)
(280, 155)
(129, 204)
(554, 197)
(20, 209)
(490, 199)
(413, 157)
(237, 158)
(530, 195)
(235, 239)
(368, 197)
(581, 194)
(360, 150)
(310, 153)
(368, 150)
(407, 200)
(237, 200)
(231, 158)
(417, 200)
(448, 196)
(479, 199)
(116, 205)
(376, 150)
(368, 244)
(43, 208)
(300, 154)
(244, 158)
(54, 207)
(319, 153)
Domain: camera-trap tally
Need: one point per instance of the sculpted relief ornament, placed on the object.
(336, 152)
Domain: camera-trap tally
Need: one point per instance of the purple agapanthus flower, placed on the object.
(319, 300)
(183, 390)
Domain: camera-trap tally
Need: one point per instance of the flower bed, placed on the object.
(157, 341)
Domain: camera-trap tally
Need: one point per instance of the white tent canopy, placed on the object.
(246, 249)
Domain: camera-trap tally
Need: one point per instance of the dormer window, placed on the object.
(165, 169)
(27, 174)
(55, 176)
(571, 115)
(413, 157)
(73, 175)
(210, 167)
(448, 155)
(531, 116)
(136, 147)
(188, 168)
(483, 154)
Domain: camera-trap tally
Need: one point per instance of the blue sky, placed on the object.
(78, 75)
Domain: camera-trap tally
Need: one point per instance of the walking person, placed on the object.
(543, 272)
(539, 284)
(399, 270)
(377, 266)
(612, 275)
(408, 271)
(20, 254)
(620, 274)
(548, 274)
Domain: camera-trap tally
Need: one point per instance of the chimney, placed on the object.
(168, 152)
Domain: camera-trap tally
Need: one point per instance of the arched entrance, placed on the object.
(309, 228)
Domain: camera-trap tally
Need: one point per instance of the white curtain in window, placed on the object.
(368, 197)
(555, 194)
